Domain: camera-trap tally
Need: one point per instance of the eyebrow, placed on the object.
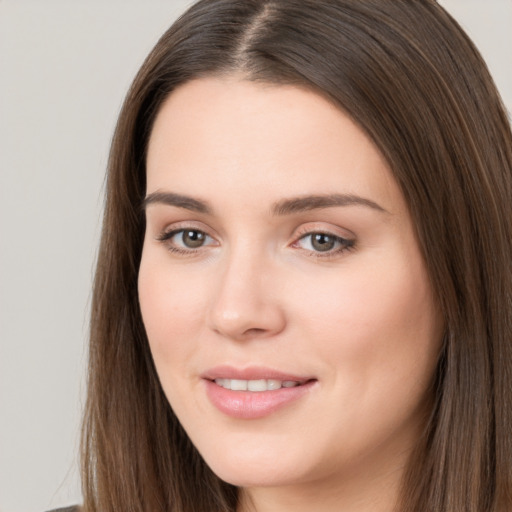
(178, 200)
(317, 202)
(280, 208)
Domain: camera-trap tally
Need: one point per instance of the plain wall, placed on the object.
(64, 69)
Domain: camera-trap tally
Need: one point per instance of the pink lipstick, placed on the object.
(255, 392)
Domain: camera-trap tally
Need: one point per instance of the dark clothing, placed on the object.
(66, 509)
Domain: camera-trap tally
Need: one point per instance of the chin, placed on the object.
(250, 468)
(250, 476)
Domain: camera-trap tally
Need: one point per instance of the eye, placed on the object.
(191, 238)
(318, 242)
(185, 240)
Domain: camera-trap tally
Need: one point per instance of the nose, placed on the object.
(245, 304)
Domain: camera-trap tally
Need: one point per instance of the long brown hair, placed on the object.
(409, 76)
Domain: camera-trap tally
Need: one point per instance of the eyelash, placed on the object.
(166, 237)
(344, 244)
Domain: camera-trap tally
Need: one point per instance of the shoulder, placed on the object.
(75, 508)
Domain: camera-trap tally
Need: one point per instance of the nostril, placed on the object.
(254, 331)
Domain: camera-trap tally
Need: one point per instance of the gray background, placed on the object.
(64, 69)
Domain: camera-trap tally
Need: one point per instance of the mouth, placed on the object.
(254, 393)
(257, 386)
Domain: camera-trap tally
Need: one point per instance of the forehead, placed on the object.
(261, 140)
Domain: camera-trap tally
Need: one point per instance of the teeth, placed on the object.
(273, 384)
(255, 385)
(238, 385)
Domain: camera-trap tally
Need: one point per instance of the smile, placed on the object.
(254, 393)
(255, 385)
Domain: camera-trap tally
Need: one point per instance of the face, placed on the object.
(285, 299)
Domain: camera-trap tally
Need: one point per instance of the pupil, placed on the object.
(193, 239)
(322, 242)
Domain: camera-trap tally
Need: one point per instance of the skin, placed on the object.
(362, 321)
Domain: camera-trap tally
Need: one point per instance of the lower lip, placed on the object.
(249, 405)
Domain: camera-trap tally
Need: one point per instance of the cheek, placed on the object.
(377, 322)
(172, 308)
(378, 333)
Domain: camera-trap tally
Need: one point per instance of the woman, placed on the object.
(303, 295)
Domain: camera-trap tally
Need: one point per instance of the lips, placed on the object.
(253, 393)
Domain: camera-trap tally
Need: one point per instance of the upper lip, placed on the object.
(251, 373)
